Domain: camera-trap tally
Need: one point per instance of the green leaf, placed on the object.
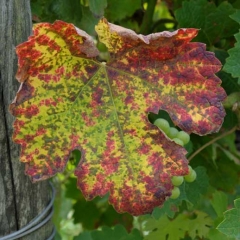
(223, 173)
(110, 217)
(194, 226)
(219, 202)
(194, 14)
(230, 120)
(214, 234)
(68, 10)
(229, 83)
(97, 7)
(71, 189)
(234, 156)
(236, 16)
(68, 100)
(193, 191)
(204, 15)
(117, 10)
(88, 21)
(230, 225)
(86, 213)
(232, 65)
(36, 8)
(225, 28)
(116, 233)
(84, 236)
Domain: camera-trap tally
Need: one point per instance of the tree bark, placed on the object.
(20, 200)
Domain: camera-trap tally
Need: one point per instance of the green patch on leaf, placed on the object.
(118, 10)
(219, 202)
(195, 225)
(203, 14)
(36, 8)
(230, 225)
(86, 213)
(229, 83)
(232, 65)
(118, 232)
(223, 173)
(68, 10)
(97, 7)
(69, 100)
(88, 21)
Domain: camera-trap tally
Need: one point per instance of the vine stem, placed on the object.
(211, 142)
(148, 17)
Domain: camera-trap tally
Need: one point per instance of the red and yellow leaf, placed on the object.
(68, 100)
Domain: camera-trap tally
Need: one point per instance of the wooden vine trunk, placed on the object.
(20, 200)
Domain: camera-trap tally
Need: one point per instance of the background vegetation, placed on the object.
(215, 158)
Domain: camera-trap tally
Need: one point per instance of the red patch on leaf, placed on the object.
(88, 120)
(41, 131)
(31, 111)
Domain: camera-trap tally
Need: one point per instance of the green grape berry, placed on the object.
(162, 124)
(183, 136)
(177, 180)
(172, 132)
(175, 193)
(189, 168)
(191, 176)
(178, 141)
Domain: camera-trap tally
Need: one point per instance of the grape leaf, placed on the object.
(97, 7)
(68, 100)
(219, 202)
(232, 65)
(203, 14)
(36, 8)
(214, 234)
(177, 228)
(88, 21)
(230, 225)
(224, 174)
(68, 10)
(118, 233)
(229, 83)
(118, 10)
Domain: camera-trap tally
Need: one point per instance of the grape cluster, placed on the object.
(181, 138)
(178, 180)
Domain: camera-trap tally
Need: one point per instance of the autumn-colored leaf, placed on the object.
(68, 100)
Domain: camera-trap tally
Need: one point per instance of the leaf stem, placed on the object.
(148, 17)
(211, 142)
